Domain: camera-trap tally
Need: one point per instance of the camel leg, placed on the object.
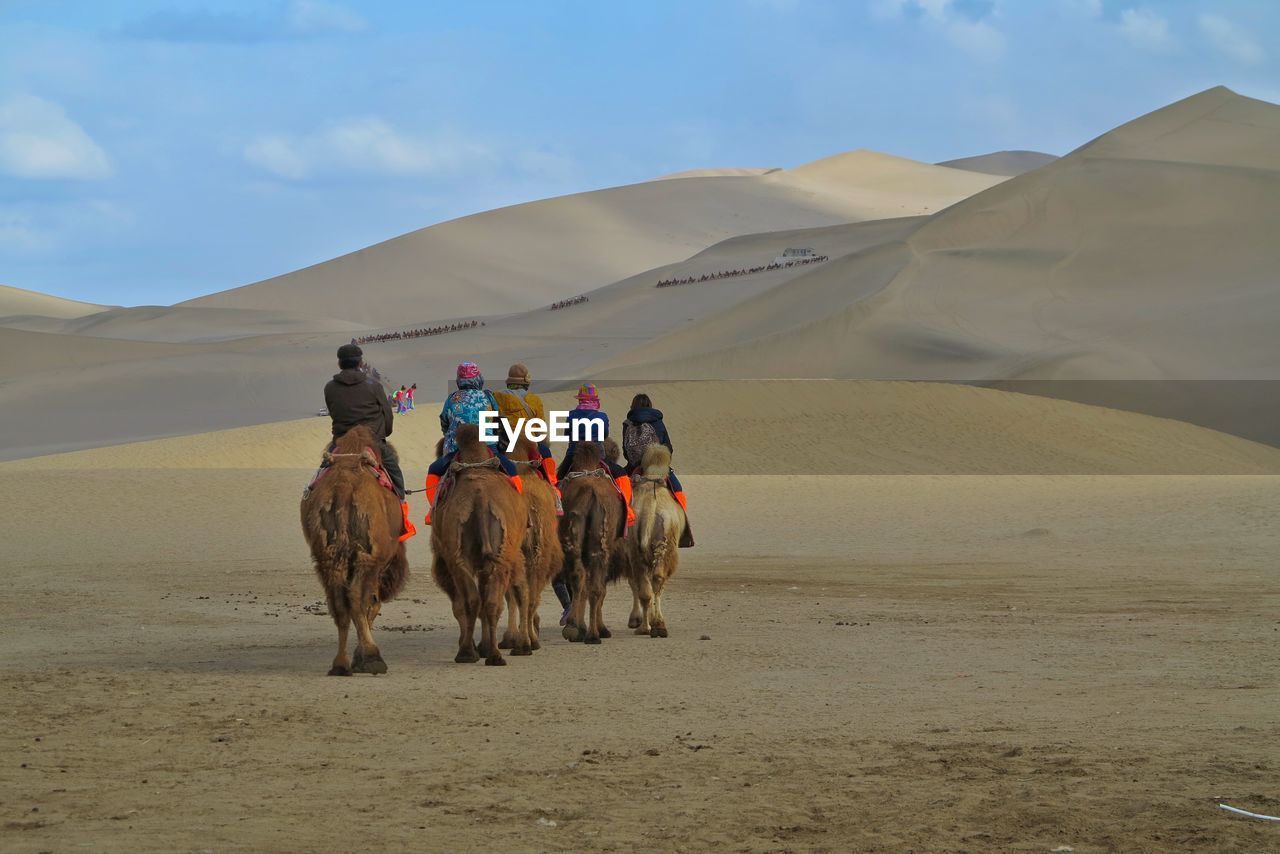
(490, 615)
(509, 637)
(465, 606)
(637, 612)
(645, 625)
(358, 662)
(575, 629)
(520, 604)
(595, 592)
(659, 621)
(361, 604)
(340, 610)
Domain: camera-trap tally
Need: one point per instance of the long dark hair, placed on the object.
(641, 401)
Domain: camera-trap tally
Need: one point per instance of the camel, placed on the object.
(352, 524)
(588, 535)
(476, 535)
(543, 556)
(650, 553)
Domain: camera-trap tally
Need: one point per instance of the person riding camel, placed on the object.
(352, 398)
(644, 427)
(464, 406)
(516, 402)
(589, 411)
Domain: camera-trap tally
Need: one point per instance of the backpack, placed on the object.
(636, 439)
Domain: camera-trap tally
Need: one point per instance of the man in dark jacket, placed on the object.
(353, 398)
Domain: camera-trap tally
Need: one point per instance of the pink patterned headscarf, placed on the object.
(468, 371)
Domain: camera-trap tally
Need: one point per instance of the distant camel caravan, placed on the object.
(350, 521)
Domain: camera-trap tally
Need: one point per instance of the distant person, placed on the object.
(400, 401)
(352, 399)
(408, 396)
(464, 406)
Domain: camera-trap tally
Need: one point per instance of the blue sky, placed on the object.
(152, 151)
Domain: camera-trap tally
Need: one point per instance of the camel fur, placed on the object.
(352, 525)
(476, 537)
(588, 535)
(650, 554)
(543, 556)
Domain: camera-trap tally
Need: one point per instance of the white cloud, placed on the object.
(365, 145)
(1230, 40)
(1146, 29)
(968, 30)
(977, 38)
(312, 17)
(39, 140)
(277, 155)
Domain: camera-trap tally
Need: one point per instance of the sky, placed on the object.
(153, 151)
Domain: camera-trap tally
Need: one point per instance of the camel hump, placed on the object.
(468, 434)
(656, 457)
(611, 450)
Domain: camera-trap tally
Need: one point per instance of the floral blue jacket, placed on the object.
(464, 407)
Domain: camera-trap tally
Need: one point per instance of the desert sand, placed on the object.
(857, 662)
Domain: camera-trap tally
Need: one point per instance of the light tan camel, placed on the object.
(588, 534)
(476, 535)
(352, 524)
(650, 554)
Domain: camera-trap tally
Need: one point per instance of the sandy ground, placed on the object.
(856, 663)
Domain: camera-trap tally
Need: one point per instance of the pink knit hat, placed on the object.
(468, 371)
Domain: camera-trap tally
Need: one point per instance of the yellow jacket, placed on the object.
(512, 408)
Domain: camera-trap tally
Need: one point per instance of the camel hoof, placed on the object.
(535, 646)
(466, 657)
(495, 661)
(605, 633)
(570, 633)
(506, 644)
(339, 671)
(634, 623)
(641, 630)
(592, 640)
(658, 632)
(370, 664)
(524, 650)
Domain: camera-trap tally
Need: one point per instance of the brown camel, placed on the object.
(650, 554)
(352, 523)
(543, 556)
(588, 535)
(476, 535)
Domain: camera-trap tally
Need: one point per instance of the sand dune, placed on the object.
(1008, 163)
(529, 255)
(1145, 256)
(182, 324)
(17, 303)
(1142, 256)
(725, 172)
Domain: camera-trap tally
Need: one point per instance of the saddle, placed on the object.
(455, 468)
(371, 460)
